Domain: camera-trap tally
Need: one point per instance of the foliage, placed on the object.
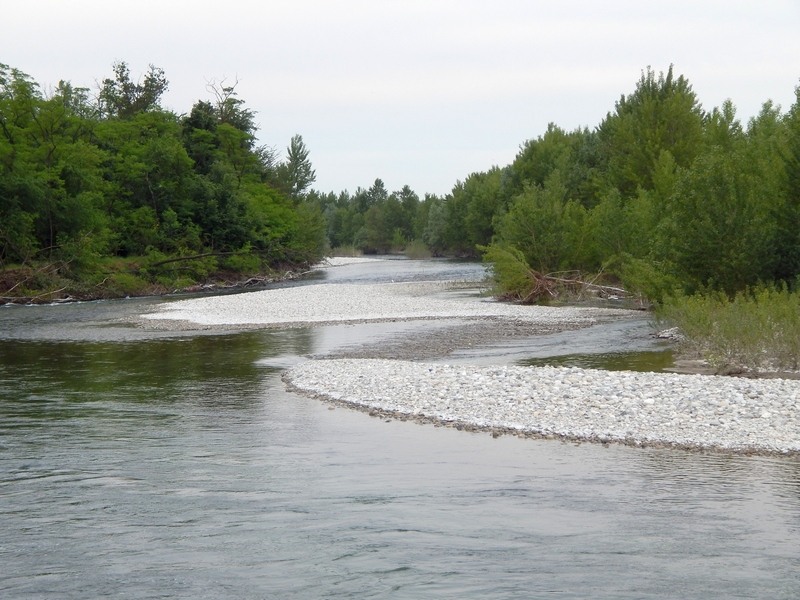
(510, 272)
(661, 114)
(296, 175)
(757, 330)
(661, 195)
(82, 181)
(718, 212)
(545, 226)
(372, 220)
(121, 97)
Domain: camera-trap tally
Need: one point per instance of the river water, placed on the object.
(159, 465)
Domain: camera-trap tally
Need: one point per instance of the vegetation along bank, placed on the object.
(105, 193)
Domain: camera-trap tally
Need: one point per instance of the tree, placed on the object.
(537, 158)
(662, 114)
(377, 193)
(200, 137)
(718, 232)
(22, 188)
(483, 202)
(121, 97)
(788, 216)
(545, 226)
(296, 174)
(229, 108)
(433, 233)
(409, 205)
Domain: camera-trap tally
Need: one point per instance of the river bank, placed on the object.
(686, 411)
(45, 285)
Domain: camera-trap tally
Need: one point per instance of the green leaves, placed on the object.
(121, 97)
(662, 114)
(296, 174)
(510, 271)
(81, 183)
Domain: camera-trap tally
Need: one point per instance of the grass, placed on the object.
(417, 249)
(756, 331)
(347, 251)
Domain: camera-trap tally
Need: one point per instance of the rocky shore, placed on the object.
(638, 409)
(683, 411)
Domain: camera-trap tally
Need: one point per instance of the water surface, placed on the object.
(150, 465)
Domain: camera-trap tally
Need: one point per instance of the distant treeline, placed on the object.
(662, 195)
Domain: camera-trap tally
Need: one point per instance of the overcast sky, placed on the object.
(417, 92)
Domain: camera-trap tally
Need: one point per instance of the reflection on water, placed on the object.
(180, 467)
(646, 361)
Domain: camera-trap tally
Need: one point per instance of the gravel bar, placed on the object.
(640, 409)
(676, 410)
(348, 303)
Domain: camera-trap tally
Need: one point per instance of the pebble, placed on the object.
(641, 409)
(344, 302)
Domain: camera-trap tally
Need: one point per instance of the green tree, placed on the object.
(788, 214)
(121, 97)
(22, 188)
(662, 114)
(483, 201)
(409, 205)
(719, 233)
(377, 192)
(545, 226)
(308, 241)
(296, 174)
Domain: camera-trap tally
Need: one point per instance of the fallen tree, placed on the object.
(516, 281)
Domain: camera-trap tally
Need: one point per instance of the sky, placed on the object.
(414, 92)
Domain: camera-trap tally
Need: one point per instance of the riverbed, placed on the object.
(680, 410)
(164, 463)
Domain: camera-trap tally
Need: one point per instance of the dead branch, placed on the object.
(550, 285)
(187, 258)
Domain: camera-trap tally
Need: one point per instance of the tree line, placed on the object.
(662, 195)
(113, 192)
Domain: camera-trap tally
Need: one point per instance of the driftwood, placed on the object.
(546, 286)
(31, 299)
(188, 258)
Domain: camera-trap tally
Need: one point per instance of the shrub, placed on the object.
(756, 330)
(417, 249)
(510, 271)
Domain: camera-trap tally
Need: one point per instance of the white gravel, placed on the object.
(338, 303)
(693, 411)
(687, 411)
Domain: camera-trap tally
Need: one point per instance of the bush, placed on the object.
(511, 273)
(417, 249)
(126, 284)
(243, 262)
(757, 330)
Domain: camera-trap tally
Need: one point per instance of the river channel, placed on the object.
(162, 464)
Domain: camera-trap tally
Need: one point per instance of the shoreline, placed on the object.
(566, 403)
(497, 431)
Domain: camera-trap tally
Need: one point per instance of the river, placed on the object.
(142, 464)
